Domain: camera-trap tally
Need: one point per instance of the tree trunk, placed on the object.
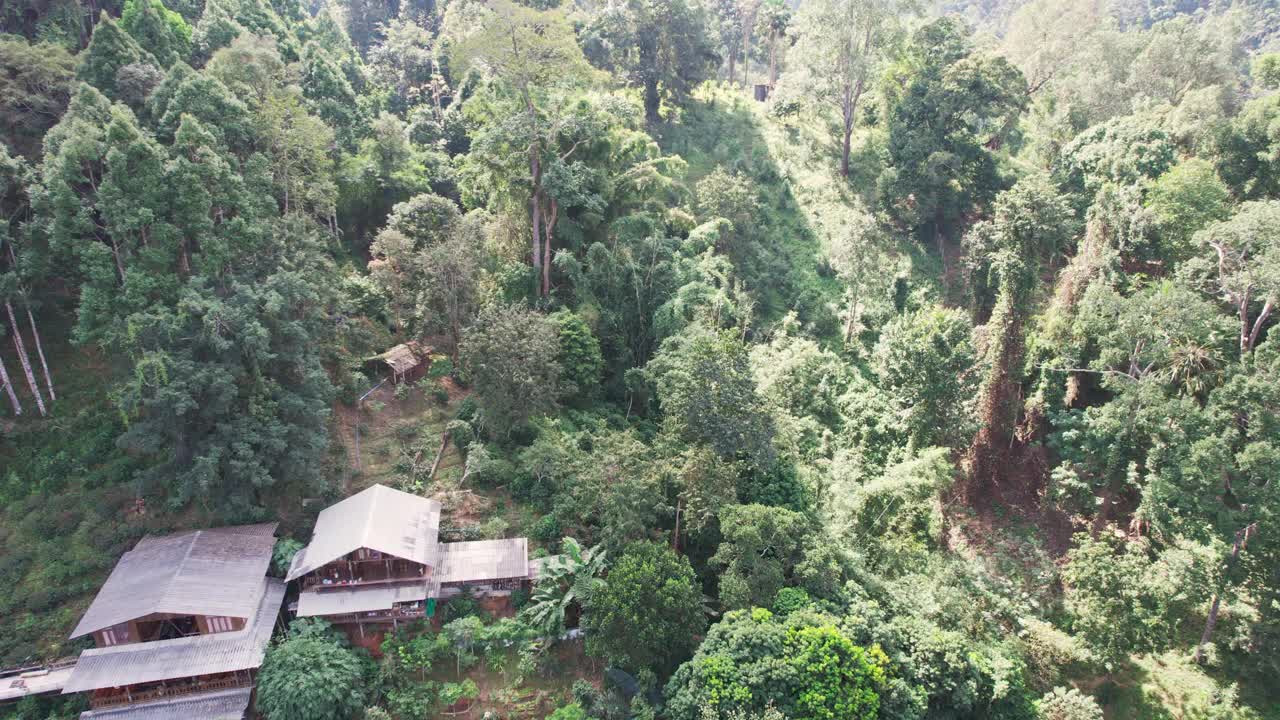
(652, 101)
(1211, 622)
(35, 334)
(733, 65)
(8, 386)
(535, 211)
(550, 228)
(849, 114)
(773, 58)
(1257, 324)
(24, 359)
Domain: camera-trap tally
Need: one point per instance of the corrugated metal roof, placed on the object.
(379, 518)
(358, 599)
(481, 560)
(220, 705)
(203, 572)
(33, 683)
(183, 657)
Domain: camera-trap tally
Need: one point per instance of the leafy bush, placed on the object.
(1063, 704)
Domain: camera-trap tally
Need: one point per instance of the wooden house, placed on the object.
(407, 362)
(375, 560)
(180, 627)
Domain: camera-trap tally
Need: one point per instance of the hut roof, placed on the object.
(481, 560)
(204, 572)
(219, 705)
(145, 662)
(378, 518)
(339, 601)
(405, 356)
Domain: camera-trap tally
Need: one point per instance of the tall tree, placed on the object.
(649, 612)
(840, 46)
(661, 46)
(955, 108)
(773, 21)
(534, 57)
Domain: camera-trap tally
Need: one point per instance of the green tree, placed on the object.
(1185, 199)
(158, 30)
(510, 353)
(110, 50)
(535, 59)
(761, 547)
(310, 676)
(838, 679)
(36, 81)
(581, 364)
(840, 45)
(927, 362)
(956, 107)
(660, 46)
(649, 612)
(1247, 262)
(707, 395)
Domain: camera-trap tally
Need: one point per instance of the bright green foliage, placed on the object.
(36, 81)
(803, 666)
(661, 46)
(309, 676)
(572, 711)
(837, 678)
(110, 50)
(1185, 199)
(927, 362)
(957, 102)
(1126, 151)
(158, 30)
(183, 91)
(648, 612)
(708, 396)
(510, 355)
(581, 364)
(1246, 148)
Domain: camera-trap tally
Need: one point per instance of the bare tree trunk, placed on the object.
(24, 359)
(35, 334)
(8, 386)
(1257, 324)
(733, 65)
(550, 227)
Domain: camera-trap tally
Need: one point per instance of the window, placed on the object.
(109, 637)
(219, 624)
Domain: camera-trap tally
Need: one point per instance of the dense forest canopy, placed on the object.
(853, 358)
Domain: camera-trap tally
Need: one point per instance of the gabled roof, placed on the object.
(220, 705)
(203, 572)
(146, 662)
(480, 560)
(378, 518)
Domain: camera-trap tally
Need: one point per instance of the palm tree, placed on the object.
(563, 580)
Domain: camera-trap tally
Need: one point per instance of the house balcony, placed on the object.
(119, 697)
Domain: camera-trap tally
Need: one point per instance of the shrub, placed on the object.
(1064, 704)
(547, 529)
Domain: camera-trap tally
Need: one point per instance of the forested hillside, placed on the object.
(855, 358)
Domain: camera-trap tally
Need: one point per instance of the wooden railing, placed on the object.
(168, 691)
(377, 616)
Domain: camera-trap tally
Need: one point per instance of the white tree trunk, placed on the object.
(8, 386)
(35, 334)
(24, 359)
